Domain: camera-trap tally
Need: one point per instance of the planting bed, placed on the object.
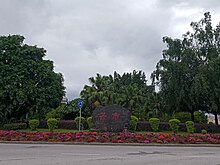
(108, 137)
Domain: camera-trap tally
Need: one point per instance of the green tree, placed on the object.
(128, 90)
(182, 73)
(28, 84)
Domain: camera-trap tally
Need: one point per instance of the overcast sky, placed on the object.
(85, 37)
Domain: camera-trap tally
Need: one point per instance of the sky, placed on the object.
(86, 37)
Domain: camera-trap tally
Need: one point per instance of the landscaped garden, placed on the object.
(150, 132)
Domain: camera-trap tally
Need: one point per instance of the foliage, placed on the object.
(174, 125)
(28, 85)
(33, 124)
(200, 117)
(15, 126)
(134, 118)
(52, 114)
(154, 124)
(203, 131)
(190, 126)
(132, 125)
(182, 116)
(89, 122)
(83, 121)
(189, 73)
(128, 90)
(52, 123)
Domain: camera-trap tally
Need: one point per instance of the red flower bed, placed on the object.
(108, 137)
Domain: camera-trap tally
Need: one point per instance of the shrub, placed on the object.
(165, 126)
(134, 118)
(132, 125)
(83, 121)
(52, 124)
(203, 131)
(154, 124)
(89, 122)
(200, 117)
(67, 124)
(15, 126)
(174, 125)
(190, 126)
(33, 124)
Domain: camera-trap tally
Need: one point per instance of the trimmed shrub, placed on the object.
(165, 126)
(15, 126)
(33, 124)
(52, 124)
(83, 121)
(203, 131)
(89, 122)
(190, 126)
(134, 118)
(67, 124)
(174, 125)
(132, 125)
(154, 124)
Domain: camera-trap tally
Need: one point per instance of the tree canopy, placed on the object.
(28, 85)
(129, 90)
(188, 73)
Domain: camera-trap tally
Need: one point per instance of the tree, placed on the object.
(182, 73)
(28, 84)
(128, 90)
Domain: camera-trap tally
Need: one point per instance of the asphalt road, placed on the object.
(58, 154)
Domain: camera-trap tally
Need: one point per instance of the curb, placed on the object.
(111, 144)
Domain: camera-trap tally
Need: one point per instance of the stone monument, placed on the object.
(111, 118)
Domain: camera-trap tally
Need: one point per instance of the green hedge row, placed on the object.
(164, 126)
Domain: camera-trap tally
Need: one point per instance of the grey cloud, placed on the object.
(85, 37)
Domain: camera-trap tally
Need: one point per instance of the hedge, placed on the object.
(141, 126)
(15, 126)
(164, 126)
(63, 124)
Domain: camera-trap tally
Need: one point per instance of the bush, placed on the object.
(154, 124)
(33, 124)
(90, 123)
(200, 117)
(134, 118)
(52, 124)
(15, 126)
(203, 131)
(83, 121)
(165, 126)
(67, 124)
(174, 125)
(132, 125)
(190, 126)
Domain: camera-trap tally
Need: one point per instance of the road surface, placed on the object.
(59, 154)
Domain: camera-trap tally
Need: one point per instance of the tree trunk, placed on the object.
(216, 118)
(192, 116)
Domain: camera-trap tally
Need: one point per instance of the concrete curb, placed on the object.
(112, 144)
